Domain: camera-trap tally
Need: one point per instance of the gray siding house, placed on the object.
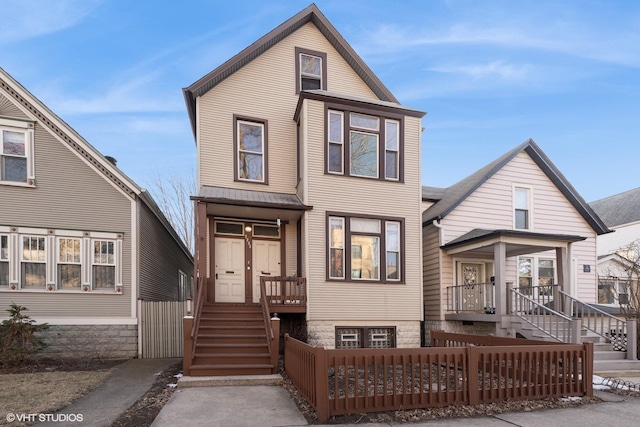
(80, 242)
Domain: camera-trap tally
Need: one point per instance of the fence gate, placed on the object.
(161, 328)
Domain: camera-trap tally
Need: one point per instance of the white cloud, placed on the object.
(33, 18)
(493, 69)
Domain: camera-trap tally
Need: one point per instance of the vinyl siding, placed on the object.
(623, 236)
(160, 259)
(9, 109)
(491, 207)
(68, 195)
(352, 300)
(265, 89)
(431, 262)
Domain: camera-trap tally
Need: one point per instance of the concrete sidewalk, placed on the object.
(126, 384)
(271, 406)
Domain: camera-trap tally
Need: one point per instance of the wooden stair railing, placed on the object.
(272, 346)
(197, 314)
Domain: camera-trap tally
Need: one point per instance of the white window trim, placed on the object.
(51, 258)
(318, 77)
(58, 262)
(535, 269)
(28, 128)
(529, 189)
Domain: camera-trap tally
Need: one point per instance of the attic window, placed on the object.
(311, 70)
(16, 152)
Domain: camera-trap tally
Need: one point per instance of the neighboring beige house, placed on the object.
(309, 168)
(621, 213)
(516, 222)
(80, 243)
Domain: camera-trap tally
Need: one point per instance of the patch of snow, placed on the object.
(178, 376)
(172, 385)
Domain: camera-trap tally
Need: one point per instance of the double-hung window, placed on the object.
(251, 150)
(522, 209)
(366, 249)
(363, 145)
(104, 264)
(34, 262)
(16, 151)
(69, 263)
(4, 260)
(311, 70)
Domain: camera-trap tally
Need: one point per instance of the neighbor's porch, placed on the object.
(473, 298)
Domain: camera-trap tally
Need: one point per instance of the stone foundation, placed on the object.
(456, 326)
(91, 341)
(323, 333)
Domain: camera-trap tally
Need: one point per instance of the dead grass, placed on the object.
(44, 392)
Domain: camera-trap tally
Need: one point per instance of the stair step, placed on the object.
(231, 348)
(609, 355)
(231, 359)
(244, 369)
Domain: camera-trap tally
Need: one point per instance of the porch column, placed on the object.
(201, 244)
(564, 279)
(500, 263)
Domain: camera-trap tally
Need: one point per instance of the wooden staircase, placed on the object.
(231, 340)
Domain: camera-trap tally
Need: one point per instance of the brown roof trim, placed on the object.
(370, 104)
(310, 14)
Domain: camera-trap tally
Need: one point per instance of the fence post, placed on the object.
(322, 385)
(275, 343)
(576, 330)
(472, 375)
(587, 369)
(632, 339)
(187, 323)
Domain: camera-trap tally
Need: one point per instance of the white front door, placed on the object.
(229, 270)
(266, 262)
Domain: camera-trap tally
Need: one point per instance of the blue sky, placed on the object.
(490, 74)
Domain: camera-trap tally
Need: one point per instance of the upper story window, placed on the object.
(370, 249)
(522, 208)
(311, 70)
(251, 150)
(363, 145)
(16, 152)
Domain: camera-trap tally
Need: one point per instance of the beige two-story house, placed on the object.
(309, 177)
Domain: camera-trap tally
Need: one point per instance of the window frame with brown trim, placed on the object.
(346, 260)
(383, 149)
(323, 67)
(237, 119)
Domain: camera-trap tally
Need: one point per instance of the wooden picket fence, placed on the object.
(339, 382)
(161, 329)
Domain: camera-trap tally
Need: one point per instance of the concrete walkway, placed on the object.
(126, 384)
(271, 406)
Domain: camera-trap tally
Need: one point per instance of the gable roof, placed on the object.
(622, 208)
(75, 142)
(458, 192)
(309, 14)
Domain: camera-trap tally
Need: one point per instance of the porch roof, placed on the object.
(251, 203)
(480, 242)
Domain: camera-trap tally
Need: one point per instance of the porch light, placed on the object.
(188, 306)
(247, 229)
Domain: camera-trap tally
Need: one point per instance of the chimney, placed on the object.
(112, 160)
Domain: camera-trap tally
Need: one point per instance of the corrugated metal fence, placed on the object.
(161, 328)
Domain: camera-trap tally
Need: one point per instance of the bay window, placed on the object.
(363, 144)
(368, 248)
